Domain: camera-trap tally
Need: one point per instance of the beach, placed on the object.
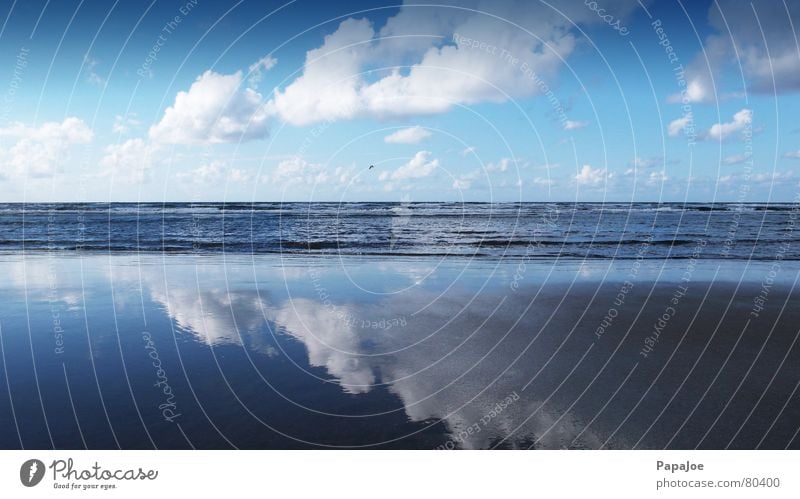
(217, 351)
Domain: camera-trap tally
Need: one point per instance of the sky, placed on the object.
(194, 100)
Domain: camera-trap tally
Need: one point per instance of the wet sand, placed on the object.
(221, 352)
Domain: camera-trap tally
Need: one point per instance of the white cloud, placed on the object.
(89, 65)
(543, 182)
(215, 109)
(419, 166)
(735, 159)
(575, 125)
(697, 89)
(792, 154)
(131, 160)
(656, 178)
(297, 170)
(763, 48)
(468, 150)
(124, 124)
(257, 69)
(675, 127)
(210, 172)
(721, 131)
(591, 176)
(215, 171)
(411, 135)
(646, 162)
(38, 151)
(762, 179)
(462, 184)
(431, 72)
(500, 166)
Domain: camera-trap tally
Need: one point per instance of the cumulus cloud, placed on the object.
(411, 135)
(575, 125)
(419, 166)
(37, 151)
(757, 39)
(433, 60)
(215, 109)
(132, 160)
(721, 131)
(591, 176)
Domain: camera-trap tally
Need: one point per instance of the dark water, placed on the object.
(219, 351)
(529, 230)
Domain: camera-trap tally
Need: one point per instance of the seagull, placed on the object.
(371, 167)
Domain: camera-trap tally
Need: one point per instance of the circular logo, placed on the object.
(31, 472)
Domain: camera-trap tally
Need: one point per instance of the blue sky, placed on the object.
(472, 100)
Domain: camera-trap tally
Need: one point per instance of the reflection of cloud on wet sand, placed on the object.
(330, 343)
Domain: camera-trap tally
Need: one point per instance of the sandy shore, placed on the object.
(216, 352)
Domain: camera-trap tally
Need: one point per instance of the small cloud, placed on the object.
(211, 172)
(656, 178)
(89, 64)
(675, 127)
(736, 159)
(646, 162)
(468, 150)
(500, 166)
(297, 170)
(419, 166)
(124, 124)
(792, 154)
(256, 70)
(411, 135)
(543, 182)
(696, 91)
(591, 176)
(575, 125)
(721, 131)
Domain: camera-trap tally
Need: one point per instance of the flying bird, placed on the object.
(371, 167)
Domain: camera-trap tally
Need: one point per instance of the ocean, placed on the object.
(481, 230)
